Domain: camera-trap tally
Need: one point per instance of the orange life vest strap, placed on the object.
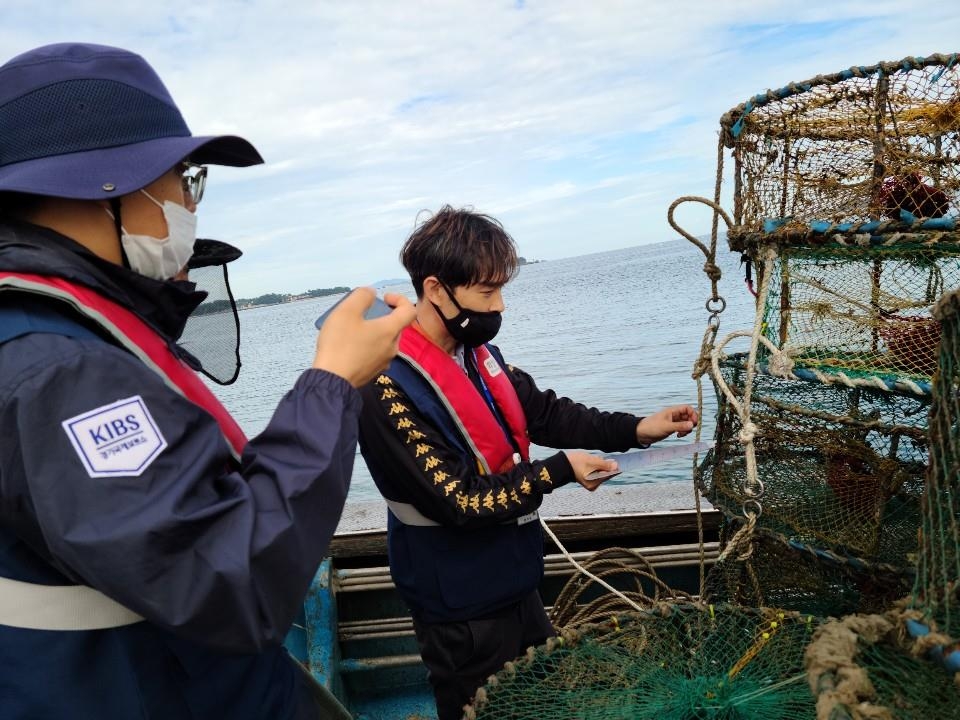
(466, 405)
(137, 337)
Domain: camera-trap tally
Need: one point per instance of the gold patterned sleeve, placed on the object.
(412, 461)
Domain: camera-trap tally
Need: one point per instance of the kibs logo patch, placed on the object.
(116, 439)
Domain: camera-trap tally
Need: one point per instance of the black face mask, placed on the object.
(470, 328)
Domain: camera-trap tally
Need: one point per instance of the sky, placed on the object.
(575, 123)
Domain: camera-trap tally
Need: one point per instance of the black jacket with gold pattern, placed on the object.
(463, 544)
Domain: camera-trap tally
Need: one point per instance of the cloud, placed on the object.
(575, 123)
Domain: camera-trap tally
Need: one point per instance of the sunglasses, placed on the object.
(193, 178)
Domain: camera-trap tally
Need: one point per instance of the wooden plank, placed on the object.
(590, 527)
(625, 511)
(568, 529)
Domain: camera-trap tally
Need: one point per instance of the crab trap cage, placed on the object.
(836, 461)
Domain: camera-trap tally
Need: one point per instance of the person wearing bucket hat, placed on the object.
(152, 559)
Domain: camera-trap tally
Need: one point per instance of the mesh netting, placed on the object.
(868, 666)
(842, 466)
(845, 313)
(906, 662)
(938, 573)
(84, 114)
(852, 147)
(771, 572)
(212, 333)
(675, 662)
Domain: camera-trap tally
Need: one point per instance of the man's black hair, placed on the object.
(459, 247)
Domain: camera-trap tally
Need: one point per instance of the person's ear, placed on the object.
(433, 290)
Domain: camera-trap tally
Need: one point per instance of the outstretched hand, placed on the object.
(679, 419)
(357, 349)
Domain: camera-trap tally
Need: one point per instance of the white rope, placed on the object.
(871, 382)
(586, 572)
(782, 365)
(779, 360)
(749, 429)
(753, 489)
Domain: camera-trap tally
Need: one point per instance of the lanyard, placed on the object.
(488, 397)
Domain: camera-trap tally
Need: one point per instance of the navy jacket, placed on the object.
(217, 558)
(480, 556)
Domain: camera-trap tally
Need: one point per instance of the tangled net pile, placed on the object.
(673, 662)
(839, 492)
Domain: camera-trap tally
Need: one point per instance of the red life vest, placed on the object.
(467, 407)
(137, 337)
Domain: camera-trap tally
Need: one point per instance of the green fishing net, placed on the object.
(848, 314)
(845, 191)
(905, 663)
(938, 573)
(770, 571)
(842, 467)
(673, 662)
(868, 666)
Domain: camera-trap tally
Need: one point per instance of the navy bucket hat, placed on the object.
(92, 122)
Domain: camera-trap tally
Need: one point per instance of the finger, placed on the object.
(394, 299)
(400, 304)
(404, 305)
(358, 301)
(590, 485)
(397, 320)
(406, 313)
(595, 462)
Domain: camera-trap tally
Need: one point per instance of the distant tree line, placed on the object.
(216, 306)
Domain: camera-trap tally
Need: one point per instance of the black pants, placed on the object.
(460, 656)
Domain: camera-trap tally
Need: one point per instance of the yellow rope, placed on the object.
(762, 639)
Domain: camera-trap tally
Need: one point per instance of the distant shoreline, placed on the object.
(271, 304)
(283, 298)
(217, 306)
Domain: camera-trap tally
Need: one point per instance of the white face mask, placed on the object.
(162, 258)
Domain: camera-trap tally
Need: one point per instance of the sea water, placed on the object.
(617, 330)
